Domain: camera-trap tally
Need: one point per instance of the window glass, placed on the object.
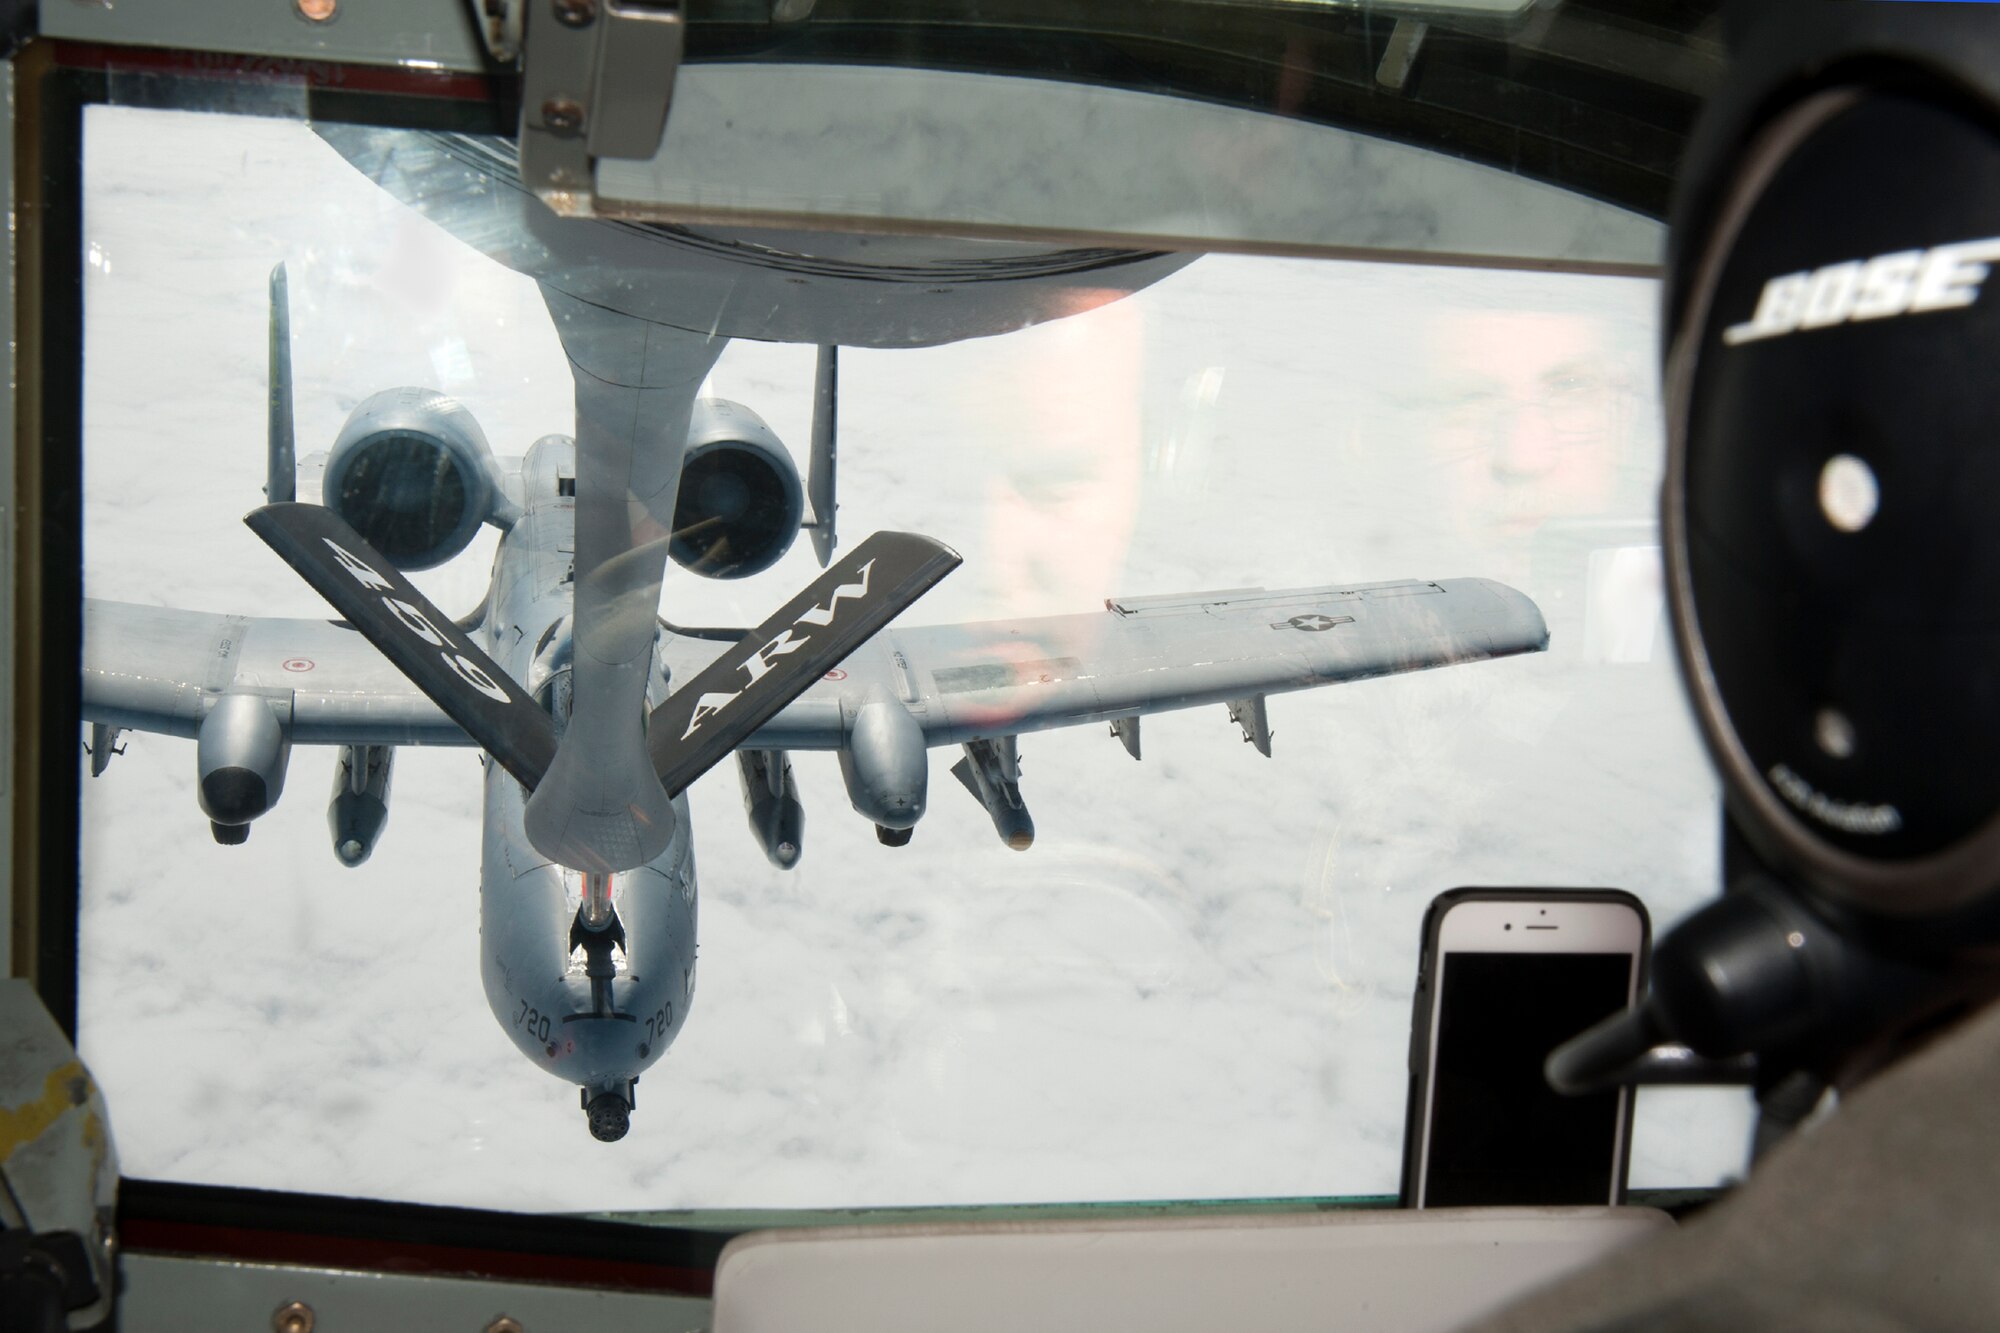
(1195, 985)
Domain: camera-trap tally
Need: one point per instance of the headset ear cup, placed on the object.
(1832, 557)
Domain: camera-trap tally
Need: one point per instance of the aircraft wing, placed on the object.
(1151, 654)
(149, 668)
(159, 669)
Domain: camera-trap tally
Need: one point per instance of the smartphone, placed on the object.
(1505, 977)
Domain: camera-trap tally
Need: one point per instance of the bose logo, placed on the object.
(760, 662)
(419, 624)
(1908, 282)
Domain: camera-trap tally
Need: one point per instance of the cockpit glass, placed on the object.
(1195, 984)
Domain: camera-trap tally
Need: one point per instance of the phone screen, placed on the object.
(1498, 1133)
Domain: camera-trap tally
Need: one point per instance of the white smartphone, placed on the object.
(1506, 976)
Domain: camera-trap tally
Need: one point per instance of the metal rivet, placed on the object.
(576, 13)
(292, 1317)
(561, 115)
(505, 1324)
(317, 11)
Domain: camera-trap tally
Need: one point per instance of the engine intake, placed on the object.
(411, 472)
(740, 500)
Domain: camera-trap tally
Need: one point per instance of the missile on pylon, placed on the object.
(359, 806)
(991, 771)
(771, 802)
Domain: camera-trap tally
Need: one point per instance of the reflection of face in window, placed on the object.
(1534, 421)
(1062, 489)
(1064, 495)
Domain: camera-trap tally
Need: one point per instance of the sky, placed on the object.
(1196, 984)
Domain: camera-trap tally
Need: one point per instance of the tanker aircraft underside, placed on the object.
(588, 906)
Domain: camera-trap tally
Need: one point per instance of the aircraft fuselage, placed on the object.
(599, 1034)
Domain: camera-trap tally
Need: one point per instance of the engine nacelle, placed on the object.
(411, 472)
(740, 501)
(240, 754)
(885, 765)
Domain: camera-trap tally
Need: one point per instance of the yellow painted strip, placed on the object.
(65, 1088)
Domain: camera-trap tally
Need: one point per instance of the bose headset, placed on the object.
(1831, 522)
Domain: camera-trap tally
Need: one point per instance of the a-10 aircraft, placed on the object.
(592, 974)
(593, 713)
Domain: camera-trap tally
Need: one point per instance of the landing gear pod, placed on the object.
(241, 753)
(885, 765)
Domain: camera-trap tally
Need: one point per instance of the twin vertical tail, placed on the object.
(825, 451)
(282, 467)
